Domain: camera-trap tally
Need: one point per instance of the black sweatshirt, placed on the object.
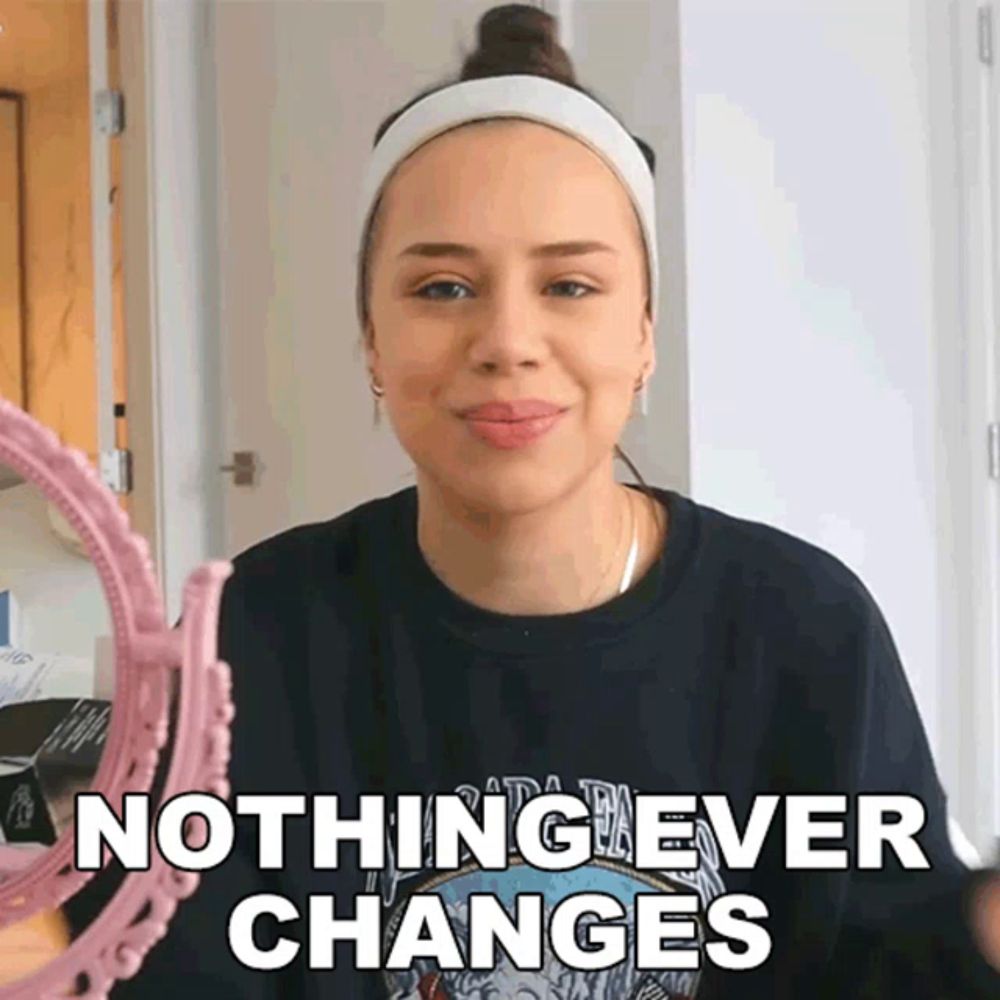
(745, 662)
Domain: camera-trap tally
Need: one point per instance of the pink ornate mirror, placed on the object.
(150, 661)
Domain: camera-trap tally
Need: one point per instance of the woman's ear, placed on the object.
(372, 362)
(647, 324)
(647, 347)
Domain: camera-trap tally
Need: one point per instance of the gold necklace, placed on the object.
(633, 551)
(614, 555)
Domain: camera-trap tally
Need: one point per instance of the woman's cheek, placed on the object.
(423, 383)
(611, 397)
(418, 400)
(604, 370)
(418, 362)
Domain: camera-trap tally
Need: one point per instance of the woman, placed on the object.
(520, 623)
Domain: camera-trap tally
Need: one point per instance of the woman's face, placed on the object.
(507, 316)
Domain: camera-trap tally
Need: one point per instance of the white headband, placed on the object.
(518, 96)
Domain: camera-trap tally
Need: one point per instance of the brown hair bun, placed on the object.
(518, 38)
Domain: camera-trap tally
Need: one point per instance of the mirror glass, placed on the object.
(56, 667)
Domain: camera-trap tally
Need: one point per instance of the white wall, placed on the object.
(813, 337)
(639, 78)
(301, 89)
(59, 594)
(817, 327)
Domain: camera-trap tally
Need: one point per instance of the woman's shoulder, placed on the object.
(774, 561)
(333, 548)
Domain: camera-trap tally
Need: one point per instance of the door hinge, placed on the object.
(994, 450)
(116, 470)
(109, 112)
(986, 34)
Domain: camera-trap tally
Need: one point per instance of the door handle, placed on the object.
(243, 467)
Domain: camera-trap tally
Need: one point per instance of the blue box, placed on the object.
(8, 618)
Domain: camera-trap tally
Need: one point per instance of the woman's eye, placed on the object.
(452, 290)
(578, 290)
(430, 291)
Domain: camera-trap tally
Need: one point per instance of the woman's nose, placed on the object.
(507, 334)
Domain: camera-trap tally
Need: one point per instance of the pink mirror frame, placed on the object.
(147, 652)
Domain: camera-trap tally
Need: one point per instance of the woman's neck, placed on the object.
(566, 556)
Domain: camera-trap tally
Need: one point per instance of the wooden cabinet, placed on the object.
(44, 63)
(12, 312)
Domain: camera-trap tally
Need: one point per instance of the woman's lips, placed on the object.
(512, 424)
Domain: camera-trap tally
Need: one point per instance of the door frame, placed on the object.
(964, 184)
(987, 299)
(100, 206)
(141, 379)
(170, 262)
(979, 138)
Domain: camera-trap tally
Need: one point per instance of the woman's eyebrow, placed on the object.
(566, 248)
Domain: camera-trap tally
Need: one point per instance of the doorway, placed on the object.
(61, 297)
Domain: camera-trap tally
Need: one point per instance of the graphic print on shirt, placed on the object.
(610, 872)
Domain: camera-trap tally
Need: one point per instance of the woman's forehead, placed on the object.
(512, 174)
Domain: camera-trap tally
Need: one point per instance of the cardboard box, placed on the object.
(49, 750)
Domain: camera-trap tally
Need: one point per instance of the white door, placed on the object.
(977, 108)
(301, 89)
(988, 72)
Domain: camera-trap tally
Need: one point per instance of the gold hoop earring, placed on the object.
(377, 391)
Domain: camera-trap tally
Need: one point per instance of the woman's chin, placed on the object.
(507, 491)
